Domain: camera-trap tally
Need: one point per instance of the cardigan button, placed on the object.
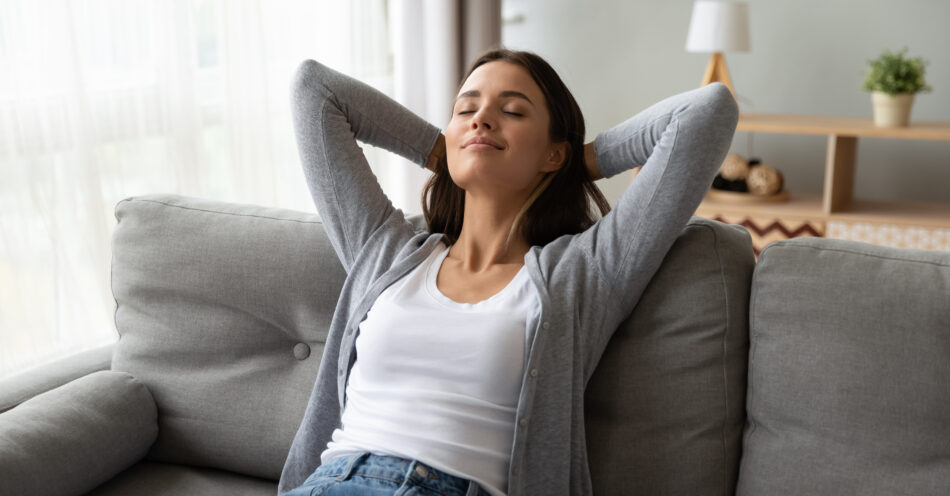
(534, 372)
(523, 422)
(301, 351)
(546, 324)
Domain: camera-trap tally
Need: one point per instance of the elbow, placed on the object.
(311, 76)
(720, 105)
(711, 114)
(306, 72)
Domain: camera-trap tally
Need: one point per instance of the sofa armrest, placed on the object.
(38, 380)
(77, 436)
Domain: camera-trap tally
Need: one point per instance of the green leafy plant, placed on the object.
(892, 73)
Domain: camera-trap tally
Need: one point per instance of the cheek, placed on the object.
(454, 134)
(528, 155)
(456, 130)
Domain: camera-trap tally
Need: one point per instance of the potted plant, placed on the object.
(893, 80)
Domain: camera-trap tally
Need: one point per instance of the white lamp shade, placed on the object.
(718, 26)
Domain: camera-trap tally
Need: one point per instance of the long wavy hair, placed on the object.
(561, 203)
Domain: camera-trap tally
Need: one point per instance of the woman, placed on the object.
(457, 357)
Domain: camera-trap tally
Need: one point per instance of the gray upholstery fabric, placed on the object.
(222, 311)
(73, 438)
(37, 380)
(665, 408)
(163, 479)
(849, 373)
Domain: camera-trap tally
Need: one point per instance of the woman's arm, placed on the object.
(681, 142)
(331, 111)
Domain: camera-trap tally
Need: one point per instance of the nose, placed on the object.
(481, 119)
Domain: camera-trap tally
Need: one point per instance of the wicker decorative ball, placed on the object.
(734, 167)
(764, 179)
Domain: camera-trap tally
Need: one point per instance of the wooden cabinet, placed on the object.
(836, 212)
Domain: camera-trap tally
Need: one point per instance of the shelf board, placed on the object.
(902, 213)
(799, 206)
(840, 126)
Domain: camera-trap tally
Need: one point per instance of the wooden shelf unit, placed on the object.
(837, 208)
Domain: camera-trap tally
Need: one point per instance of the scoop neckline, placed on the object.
(432, 273)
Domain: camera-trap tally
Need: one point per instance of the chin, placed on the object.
(485, 181)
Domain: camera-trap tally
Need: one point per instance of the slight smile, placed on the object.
(481, 147)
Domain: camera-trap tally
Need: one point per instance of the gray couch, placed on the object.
(822, 369)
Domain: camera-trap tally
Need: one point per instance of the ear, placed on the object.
(556, 158)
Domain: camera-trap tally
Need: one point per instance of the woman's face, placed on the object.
(500, 102)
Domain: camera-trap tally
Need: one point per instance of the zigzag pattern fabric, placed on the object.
(767, 230)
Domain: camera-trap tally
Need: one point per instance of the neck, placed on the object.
(484, 241)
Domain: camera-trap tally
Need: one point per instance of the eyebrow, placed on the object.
(503, 94)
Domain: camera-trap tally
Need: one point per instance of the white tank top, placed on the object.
(436, 380)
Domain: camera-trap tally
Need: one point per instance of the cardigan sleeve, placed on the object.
(331, 111)
(680, 142)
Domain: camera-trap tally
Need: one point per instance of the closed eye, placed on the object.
(472, 112)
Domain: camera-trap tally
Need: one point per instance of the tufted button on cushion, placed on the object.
(301, 351)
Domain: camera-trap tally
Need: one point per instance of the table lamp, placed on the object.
(717, 26)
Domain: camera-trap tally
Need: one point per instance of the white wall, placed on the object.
(807, 57)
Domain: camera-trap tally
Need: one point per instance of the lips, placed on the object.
(481, 140)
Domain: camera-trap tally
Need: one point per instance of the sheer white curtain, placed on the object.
(101, 100)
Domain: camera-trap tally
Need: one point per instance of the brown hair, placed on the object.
(561, 204)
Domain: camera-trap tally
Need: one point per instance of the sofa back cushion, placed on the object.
(222, 310)
(848, 373)
(665, 407)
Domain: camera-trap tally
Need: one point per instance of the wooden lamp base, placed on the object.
(716, 71)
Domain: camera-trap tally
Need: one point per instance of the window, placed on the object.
(102, 100)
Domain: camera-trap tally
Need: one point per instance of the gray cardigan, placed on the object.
(587, 283)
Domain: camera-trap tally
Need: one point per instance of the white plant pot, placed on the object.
(891, 110)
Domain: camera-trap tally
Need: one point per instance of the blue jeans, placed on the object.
(373, 475)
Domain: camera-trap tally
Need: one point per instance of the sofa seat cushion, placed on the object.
(849, 373)
(222, 311)
(165, 479)
(664, 409)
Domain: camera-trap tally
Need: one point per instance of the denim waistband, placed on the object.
(399, 470)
